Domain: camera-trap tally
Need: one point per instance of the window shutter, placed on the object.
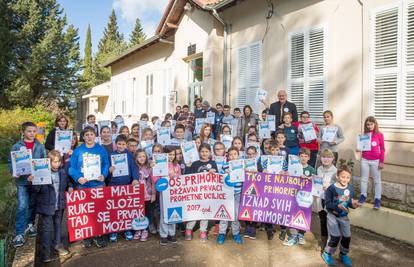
(408, 102)
(297, 70)
(242, 77)
(385, 69)
(254, 75)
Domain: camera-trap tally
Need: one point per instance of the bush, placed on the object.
(10, 121)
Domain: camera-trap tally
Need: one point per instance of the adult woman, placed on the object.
(248, 119)
(61, 123)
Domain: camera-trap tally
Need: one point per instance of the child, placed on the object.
(233, 154)
(135, 131)
(91, 121)
(197, 141)
(167, 231)
(331, 127)
(180, 159)
(205, 133)
(203, 165)
(338, 199)
(266, 147)
(144, 117)
(89, 147)
(148, 138)
(26, 206)
(298, 236)
(327, 171)
(225, 129)
(312, 145)
(114, 127)
(132, 145)
(372, 162)
(66, 156)
(132, 177)
(106, 140)
(238, 143)
(145, 174)
(50, 204)
(62, 124)
(124, 130)
(291, 133)
(280, 139)
(219, 150)
(179, 132)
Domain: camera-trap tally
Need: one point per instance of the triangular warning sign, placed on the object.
(252, 190)
(245, 215)
(299, 220)
(222, 213)
(175, 217)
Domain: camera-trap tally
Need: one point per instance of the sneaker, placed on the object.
(144, 236)
(269, 234)
(153, 229)
(362, 199)
(137, 235)
(203, 236)
(30, 230)
(345, 259)
(301, 239)
(282, 235)
(327, 258)
(18, 241)
(47, 258)
(292, 240)
(113, 237)
(247, 232)
(61, 251)
(188, 235)
(377, 204)
(216, 229)
(163, 241)
(221, 238)
(100, 241)
(87, 243)
(172, 239)
(237, 239)
(128, 236)
(253, 234)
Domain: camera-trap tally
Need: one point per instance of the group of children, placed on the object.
(67, 174)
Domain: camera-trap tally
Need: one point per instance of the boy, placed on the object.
(179, 132)
(131, 177)
(26, 207)
(338, 199)
(50, 205)
(91, 121)
(132, 145)
(298, 236)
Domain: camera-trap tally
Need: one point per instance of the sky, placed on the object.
(80, 13)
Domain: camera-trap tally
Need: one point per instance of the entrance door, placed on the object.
(195, 80)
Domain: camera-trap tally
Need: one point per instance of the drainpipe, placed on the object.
(361, 2)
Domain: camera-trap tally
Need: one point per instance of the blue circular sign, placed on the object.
(140, 223)
(161, 184)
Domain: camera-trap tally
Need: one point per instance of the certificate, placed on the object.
(317, 186)
(142, 125)
(63, 141)
(119, 123)
(308, 132)
(295, 168)
(120, 162)
(211, 142)
(210, 117)
(264, 130)
(329, 134)
(190, 153)
(21, 162)
(250, 165)
(198, 124)
(275, 164)
(236, 168)
(272, 122)
(91, 166)
(41, 171)
(147, 146)
(264, 160)
(161, 164)
(261, 95)
(164, 136)
(234, 124)
(220, 162)
(157, 125)
(364, 142)
(172, 126)
(104, 123)
(226, 140)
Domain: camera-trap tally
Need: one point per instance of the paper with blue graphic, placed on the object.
(41, 171)
(164, 136)
(190, 153)
(147, 146)
(274, 164)
(271, 119)
(250, 165)
(161, 164)
(220, 162)
(226, 139)
(21, 162)
(63, 141)
(295, 168)
(236, 168)
(198, 124)
(91, 166)
(264, 130)
(364, 142)
(120, 162)
(210, 117)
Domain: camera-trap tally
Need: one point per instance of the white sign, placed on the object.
(220, 162)
(164, 136)
(41, 171)
(104, 123)
(364, 142)
(198, 124)
(210, 117)
(147, 146)
(250, 165)
(317, 186)
(275, 164)
(173, 124)
(63, 141)
(329, 134)
(272, 122)
(190, 153)
(264, 130)
(226, 140)
(261, 95)
(21, 162)
(91, 166)
(120, 162)
(236, 168)
(308, 132)
(295, 168)
(200, 196)
(161, 164)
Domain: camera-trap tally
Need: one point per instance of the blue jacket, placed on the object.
(133, 171)
(39, 152)
(76, 165)
(46, 196)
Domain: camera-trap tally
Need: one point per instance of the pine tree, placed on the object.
(137, 36)
(111, 44)
(87, 76)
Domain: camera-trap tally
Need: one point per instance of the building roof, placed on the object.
(103, 89)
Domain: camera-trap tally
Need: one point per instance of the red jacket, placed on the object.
(313, 145)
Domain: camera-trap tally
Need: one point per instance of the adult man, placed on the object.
(207, 108)
(198, 110)
(177, 112)
(218, 119)
(187, 118)
(281, 107)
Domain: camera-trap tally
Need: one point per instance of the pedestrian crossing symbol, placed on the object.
(245, 215)
(175, 215)
(299, 221)
(222, 214)
(252, 190)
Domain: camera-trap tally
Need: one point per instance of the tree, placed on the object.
(88, 79)
(137, 36)
(111, 44)
(6, 56)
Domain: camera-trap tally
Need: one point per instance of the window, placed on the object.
(149, 93)
(392, 64)
(307, 71)
(248, 75)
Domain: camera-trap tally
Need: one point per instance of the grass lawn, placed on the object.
(7, 198)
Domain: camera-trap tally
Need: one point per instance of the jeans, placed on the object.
(51, 230)
(339, 230)
(235, 225)
(26, 208)
(371, 166)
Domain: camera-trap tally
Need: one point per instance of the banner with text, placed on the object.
(199, 196)
(277, 199)
(99, 211)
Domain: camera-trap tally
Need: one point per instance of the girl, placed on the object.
(135, 131)
(291, 133)
(114, 127)
(233, 154)
(168, 117)
(372, 162)
(66, 157)
(106, 140)
(145, 174)
(281, 139)
(205, 133)
(219, 151)
(167, 231)
(266, 146)
(203, 165)
(226, 129)
(124, 130)
(330, 135)
(144, 117)
(198, 142)
(312, 145)
(61, 123)
(238, 143)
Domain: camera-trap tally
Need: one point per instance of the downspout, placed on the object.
(362, 62)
